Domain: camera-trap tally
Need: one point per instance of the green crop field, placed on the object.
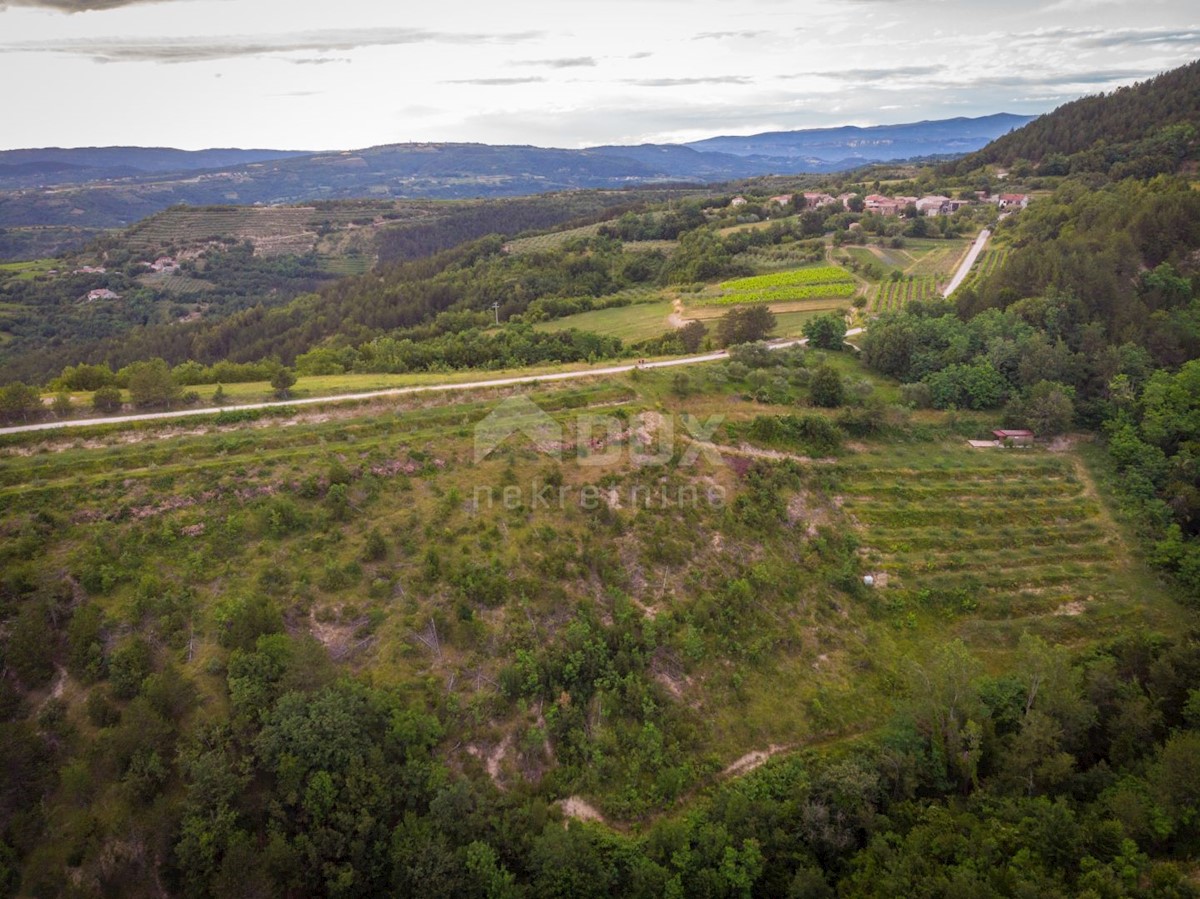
(630, 323)
(27, 271)
(822, 282)
(892, 295)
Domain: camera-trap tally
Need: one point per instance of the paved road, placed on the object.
(395, 391)
(965, 268)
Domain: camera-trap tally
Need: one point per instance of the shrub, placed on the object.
(107, 400)
(826, 388)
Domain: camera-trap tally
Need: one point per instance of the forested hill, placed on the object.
(1093, 133)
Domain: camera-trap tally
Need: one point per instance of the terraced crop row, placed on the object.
(787, 294)
(989, 261)
(892, 295)
(1010, 535)
(542, 242)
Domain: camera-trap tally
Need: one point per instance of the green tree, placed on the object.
(826, 387)
(826, 332)
(219, 398)
(129, 666)
(282, 381)
(107, 399)
(745, 324)
(62, 404)
(691, 336)
(1050, 408)
(18, 401)
(29, 651)
(151, 384)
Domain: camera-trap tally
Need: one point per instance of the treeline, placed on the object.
(464, 222)
(1117, 122)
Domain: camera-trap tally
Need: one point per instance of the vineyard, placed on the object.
(176, 284)
(892, 295)
(333, 230)
(989, 260)
(540, 243)
(824, 282)
(1011, 534)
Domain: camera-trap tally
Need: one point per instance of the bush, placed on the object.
(826, 388)
(242, 620)
(129, 667)
(107, 400)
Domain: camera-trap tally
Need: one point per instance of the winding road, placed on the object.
(396, 391)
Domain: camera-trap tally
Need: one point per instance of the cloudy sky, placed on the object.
(296, 74)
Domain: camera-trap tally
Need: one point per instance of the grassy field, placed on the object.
(647, 320)
(630, 323)
(27, 271)
(919, 257)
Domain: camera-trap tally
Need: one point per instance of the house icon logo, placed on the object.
(518, 415)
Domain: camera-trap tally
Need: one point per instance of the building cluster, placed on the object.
(879, 204)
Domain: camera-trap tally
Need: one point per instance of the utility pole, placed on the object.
(496, 307)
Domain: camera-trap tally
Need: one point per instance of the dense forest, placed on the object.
(1140, 130)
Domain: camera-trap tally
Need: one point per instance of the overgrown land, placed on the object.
(763, 626)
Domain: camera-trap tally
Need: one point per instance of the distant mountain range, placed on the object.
(115, 186)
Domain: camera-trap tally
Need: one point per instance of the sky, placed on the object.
(295, 74)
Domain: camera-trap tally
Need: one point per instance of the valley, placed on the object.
(661, 531)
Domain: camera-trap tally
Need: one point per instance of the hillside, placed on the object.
(788, 621)
(436, 170)
(51, 165)
(1148, 122)
(850, 145)
(291, 627)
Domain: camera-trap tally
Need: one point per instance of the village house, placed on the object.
(738, 201)
(881, 205)
(1013, 437)
(102, 294)
(933, 205)
(782, 199)
(163, 264)
(845, 199)
(1013, 201)
(816, 199)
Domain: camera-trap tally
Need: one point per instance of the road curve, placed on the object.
(965, 268)
(392, 391)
